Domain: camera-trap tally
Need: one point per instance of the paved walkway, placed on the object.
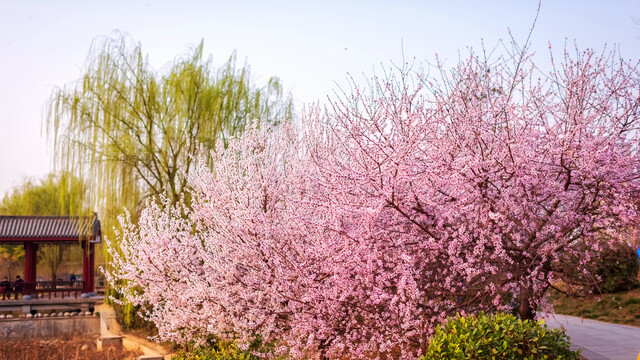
(599, 340)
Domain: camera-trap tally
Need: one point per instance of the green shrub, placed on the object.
(615, 269)
(220, 351)
(499, 336)
(216, 349)
(618, 268)
(127, 316)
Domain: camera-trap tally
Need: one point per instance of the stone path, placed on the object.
(599, 340)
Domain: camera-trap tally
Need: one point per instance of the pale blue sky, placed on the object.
(310, 45)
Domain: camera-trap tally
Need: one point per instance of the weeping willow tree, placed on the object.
(125, 128)
(129, 130)
(55, 195)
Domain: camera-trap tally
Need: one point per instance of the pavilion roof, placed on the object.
(48, 228)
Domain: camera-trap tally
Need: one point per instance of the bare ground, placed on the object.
(78, 348)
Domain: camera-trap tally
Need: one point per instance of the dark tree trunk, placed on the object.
(526, 311)
(324, 344)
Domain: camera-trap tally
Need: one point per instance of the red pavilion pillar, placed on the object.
(30, 262)
(88, 266)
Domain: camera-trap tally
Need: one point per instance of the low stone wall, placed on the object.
(49, 327)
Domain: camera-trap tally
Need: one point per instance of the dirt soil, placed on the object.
(79, 348)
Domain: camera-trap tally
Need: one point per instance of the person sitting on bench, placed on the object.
(18, 285)
(5, 285)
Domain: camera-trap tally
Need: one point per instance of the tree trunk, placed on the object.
(322, 349)
(526, 311)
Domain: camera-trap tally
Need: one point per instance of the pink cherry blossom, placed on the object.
(402, 203)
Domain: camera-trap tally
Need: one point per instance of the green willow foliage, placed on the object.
(125, 128)
(55, 195)
(129, 130)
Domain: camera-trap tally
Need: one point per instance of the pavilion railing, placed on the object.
(43, 289)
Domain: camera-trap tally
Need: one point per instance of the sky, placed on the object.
(312, 46)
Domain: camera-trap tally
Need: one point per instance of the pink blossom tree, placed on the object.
(403, 203)
(493, 169)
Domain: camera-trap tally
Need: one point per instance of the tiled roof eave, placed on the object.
(61, 229)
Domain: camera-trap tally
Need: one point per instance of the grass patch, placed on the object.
(619, 308)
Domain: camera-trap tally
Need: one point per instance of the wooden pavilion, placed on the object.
(30, 231)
